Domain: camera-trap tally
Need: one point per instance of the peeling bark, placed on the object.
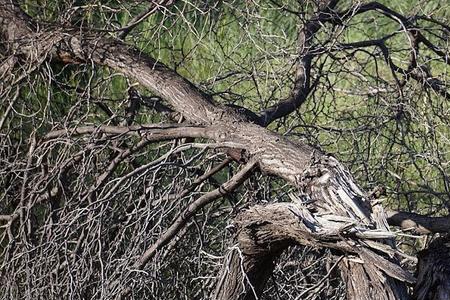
(263, 232)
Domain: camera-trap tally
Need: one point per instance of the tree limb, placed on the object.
(154, 7)
(302, 77)
(151, 132)
(418, 223)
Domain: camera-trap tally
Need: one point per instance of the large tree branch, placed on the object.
(151, 132)
(313, 172)
(418, 223)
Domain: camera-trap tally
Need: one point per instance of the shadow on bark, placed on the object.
(433, 271)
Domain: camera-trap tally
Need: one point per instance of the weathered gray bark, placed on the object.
(250, 262)
(263, 232)
(244, 276)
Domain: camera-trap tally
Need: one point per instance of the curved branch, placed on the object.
(399, 18)
(302, 79)
(418, 223)
(192, 209)
(421, 75)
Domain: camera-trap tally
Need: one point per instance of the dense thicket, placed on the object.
(199, 149)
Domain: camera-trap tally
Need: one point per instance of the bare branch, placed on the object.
(418, 223)
(302, 78)
(192, 209)
(154, 7)
(150, 132)
(189, 212)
